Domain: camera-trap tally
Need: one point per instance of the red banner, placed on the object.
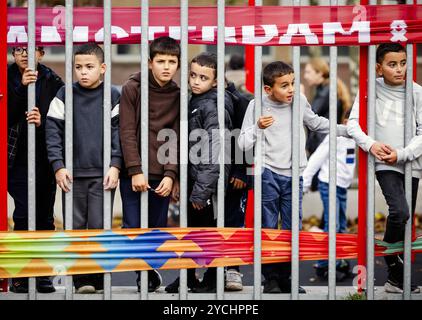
(269, 25)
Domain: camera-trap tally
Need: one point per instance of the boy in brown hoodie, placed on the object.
(164, 105)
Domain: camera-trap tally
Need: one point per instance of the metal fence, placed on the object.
(256, 292)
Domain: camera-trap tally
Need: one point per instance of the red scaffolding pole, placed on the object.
(3, 125)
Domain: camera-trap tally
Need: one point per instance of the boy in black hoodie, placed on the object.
(204, 167)
(47, 84)
(88, 182)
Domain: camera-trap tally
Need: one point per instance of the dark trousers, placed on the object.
(157, 206)
(392, 186)
(88, 203)
(44, 197)
(234, 210)
(131, 203)
(201, 218)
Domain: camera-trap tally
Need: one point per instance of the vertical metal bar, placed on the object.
(144, 128)
(332, 220)
(257, 174)
(3, 126)
(221, 112)
(408, 128)
(107, 208)
(295, 171)
(184, 20)
(370, 196)
(68, 204)
(31, 133)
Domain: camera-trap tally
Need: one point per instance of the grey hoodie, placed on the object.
(389, 126)
(277, 139)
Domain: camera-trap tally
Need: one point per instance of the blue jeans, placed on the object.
(157, 206)
(277, 200)
(341, 220)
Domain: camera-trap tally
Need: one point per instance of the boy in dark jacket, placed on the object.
(47, 84)
(164, 108)
(204, 167)
(88, 182)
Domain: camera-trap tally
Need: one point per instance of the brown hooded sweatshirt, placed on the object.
(164, 106)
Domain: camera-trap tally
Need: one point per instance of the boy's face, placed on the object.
(20, 54)
(201, 78)
(283, 89)
(393, 68)
(163, 68)
(88, 70)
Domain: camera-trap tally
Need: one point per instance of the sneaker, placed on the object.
(396, 287)
(154, 281)
(205, 288)
(174, 286)
(44, 285)
(321, 272)
(286, 287)
(271, 286)
(233, 280)
(86, 289)
(19, 285)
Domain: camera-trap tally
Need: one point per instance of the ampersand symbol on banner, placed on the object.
(398, 30)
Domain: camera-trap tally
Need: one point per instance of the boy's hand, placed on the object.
(237, 183)
(392, 157)
(139, 184)
(111, 179)
(34, 116)
(63, 179)
(175, 192)
(265, 121)
(165, 187)
(197, 206)
(29, 76)
(380, 150)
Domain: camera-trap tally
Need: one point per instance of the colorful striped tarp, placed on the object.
(42, 253)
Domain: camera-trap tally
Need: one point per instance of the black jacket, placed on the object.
(203, 130)
(321, 106)
(47, 85)
(240, 105)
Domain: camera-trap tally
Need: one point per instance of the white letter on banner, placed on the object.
(230, 34)
(17, 34)
(50, 34)
(119, 32)
(208, 33)
(248, 34)
(331, 28)
(153, 30)
(174, 31)
(81, 34)
(299, 29)
(398, 30)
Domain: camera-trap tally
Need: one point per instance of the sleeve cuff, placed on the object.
(400, 156)
(57, 165)
(170, 174)
(116, 162)
(134, 170)
(368, 144)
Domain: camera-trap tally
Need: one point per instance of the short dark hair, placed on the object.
(164, 45)
(385, 48)
(236, 62)
(90, 48)
(207, 59)
(275, 70)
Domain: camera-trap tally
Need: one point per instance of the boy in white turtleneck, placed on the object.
(276, 126)
(389, 150)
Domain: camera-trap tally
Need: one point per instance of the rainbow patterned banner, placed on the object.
(48, 253)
